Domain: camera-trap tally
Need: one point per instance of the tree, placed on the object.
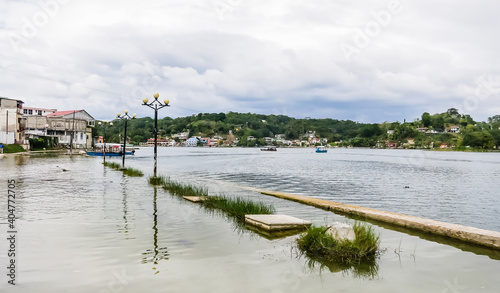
(452, 112)
(479, 139)
(495, 133)
(426, 119)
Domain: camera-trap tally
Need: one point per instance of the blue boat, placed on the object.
(321, 149)
(112, 154)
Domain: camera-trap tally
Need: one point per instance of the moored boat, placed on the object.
(269, 148)
(110, 150)
(321, 149)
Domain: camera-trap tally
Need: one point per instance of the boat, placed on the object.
(321, 149)
(112, 150)
(269, 148)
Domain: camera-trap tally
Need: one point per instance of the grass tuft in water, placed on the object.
(126, 171)
(157, 180)
(179, 188)
(318, 244)
(112, 165)
(237, 207)
(133, 172)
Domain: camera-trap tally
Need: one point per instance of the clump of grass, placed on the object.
(112, 165)
(316, 243)
(179, 188)
(133, 172)
(157, 180)
(237, 207)
(126, 171)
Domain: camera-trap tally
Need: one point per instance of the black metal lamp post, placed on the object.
(156, 105)
(125, 117)
(104, 137)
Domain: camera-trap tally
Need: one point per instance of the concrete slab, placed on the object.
(195, 198)
(276, 222)
(472, 235)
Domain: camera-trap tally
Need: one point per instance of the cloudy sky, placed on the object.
(368, 61)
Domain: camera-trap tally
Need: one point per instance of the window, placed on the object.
(25, 111)
(39, 112)
(30, 111)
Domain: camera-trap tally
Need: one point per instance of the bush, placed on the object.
(12, 148)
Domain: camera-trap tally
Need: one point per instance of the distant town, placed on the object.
(35, 128)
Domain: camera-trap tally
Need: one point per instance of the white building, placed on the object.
(29, 111)
(191, 142)
(10, 121)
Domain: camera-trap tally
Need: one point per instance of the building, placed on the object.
(11, 128)
(159, 142)
(66, 127)
(453, 129)
(191, 142)
(29, 111)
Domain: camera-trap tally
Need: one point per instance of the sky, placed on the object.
(367, 61)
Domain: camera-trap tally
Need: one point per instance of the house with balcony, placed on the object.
(68, 128)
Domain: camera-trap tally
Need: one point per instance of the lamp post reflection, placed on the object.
(157, 253)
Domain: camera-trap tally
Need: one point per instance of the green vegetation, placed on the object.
(319, 245)
(112, 165)
(232, 206)
(127, 171)
(178, 188)
(237, 207)
(427, 131)
(12, 148)
(133, 172)
(43, 143)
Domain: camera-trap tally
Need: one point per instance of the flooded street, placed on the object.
(82, 227)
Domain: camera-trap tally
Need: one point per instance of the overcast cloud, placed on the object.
(368, 61)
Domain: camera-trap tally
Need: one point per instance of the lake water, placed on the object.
(91, 229)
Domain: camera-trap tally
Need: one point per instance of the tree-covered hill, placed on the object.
(427, 131)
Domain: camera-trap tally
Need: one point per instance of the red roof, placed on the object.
(62, 113)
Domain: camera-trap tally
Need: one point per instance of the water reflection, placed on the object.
(155, 254)
(125, 207)
(365, 270)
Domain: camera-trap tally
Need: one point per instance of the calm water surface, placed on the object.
(91, 229)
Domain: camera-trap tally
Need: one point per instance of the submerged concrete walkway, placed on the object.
(464, 233)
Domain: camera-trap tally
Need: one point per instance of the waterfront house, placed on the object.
(191, 142)
(11, 127)
(159, 141)
(66, 127)
(391, 144)
(30, 111)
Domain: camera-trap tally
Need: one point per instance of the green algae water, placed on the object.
(93, 229)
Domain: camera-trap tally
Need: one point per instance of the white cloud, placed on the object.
(255, 56)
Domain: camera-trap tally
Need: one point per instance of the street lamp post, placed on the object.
(156, 105)
(125, 117)
(104, 137)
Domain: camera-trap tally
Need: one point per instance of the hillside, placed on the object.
(450, 128)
